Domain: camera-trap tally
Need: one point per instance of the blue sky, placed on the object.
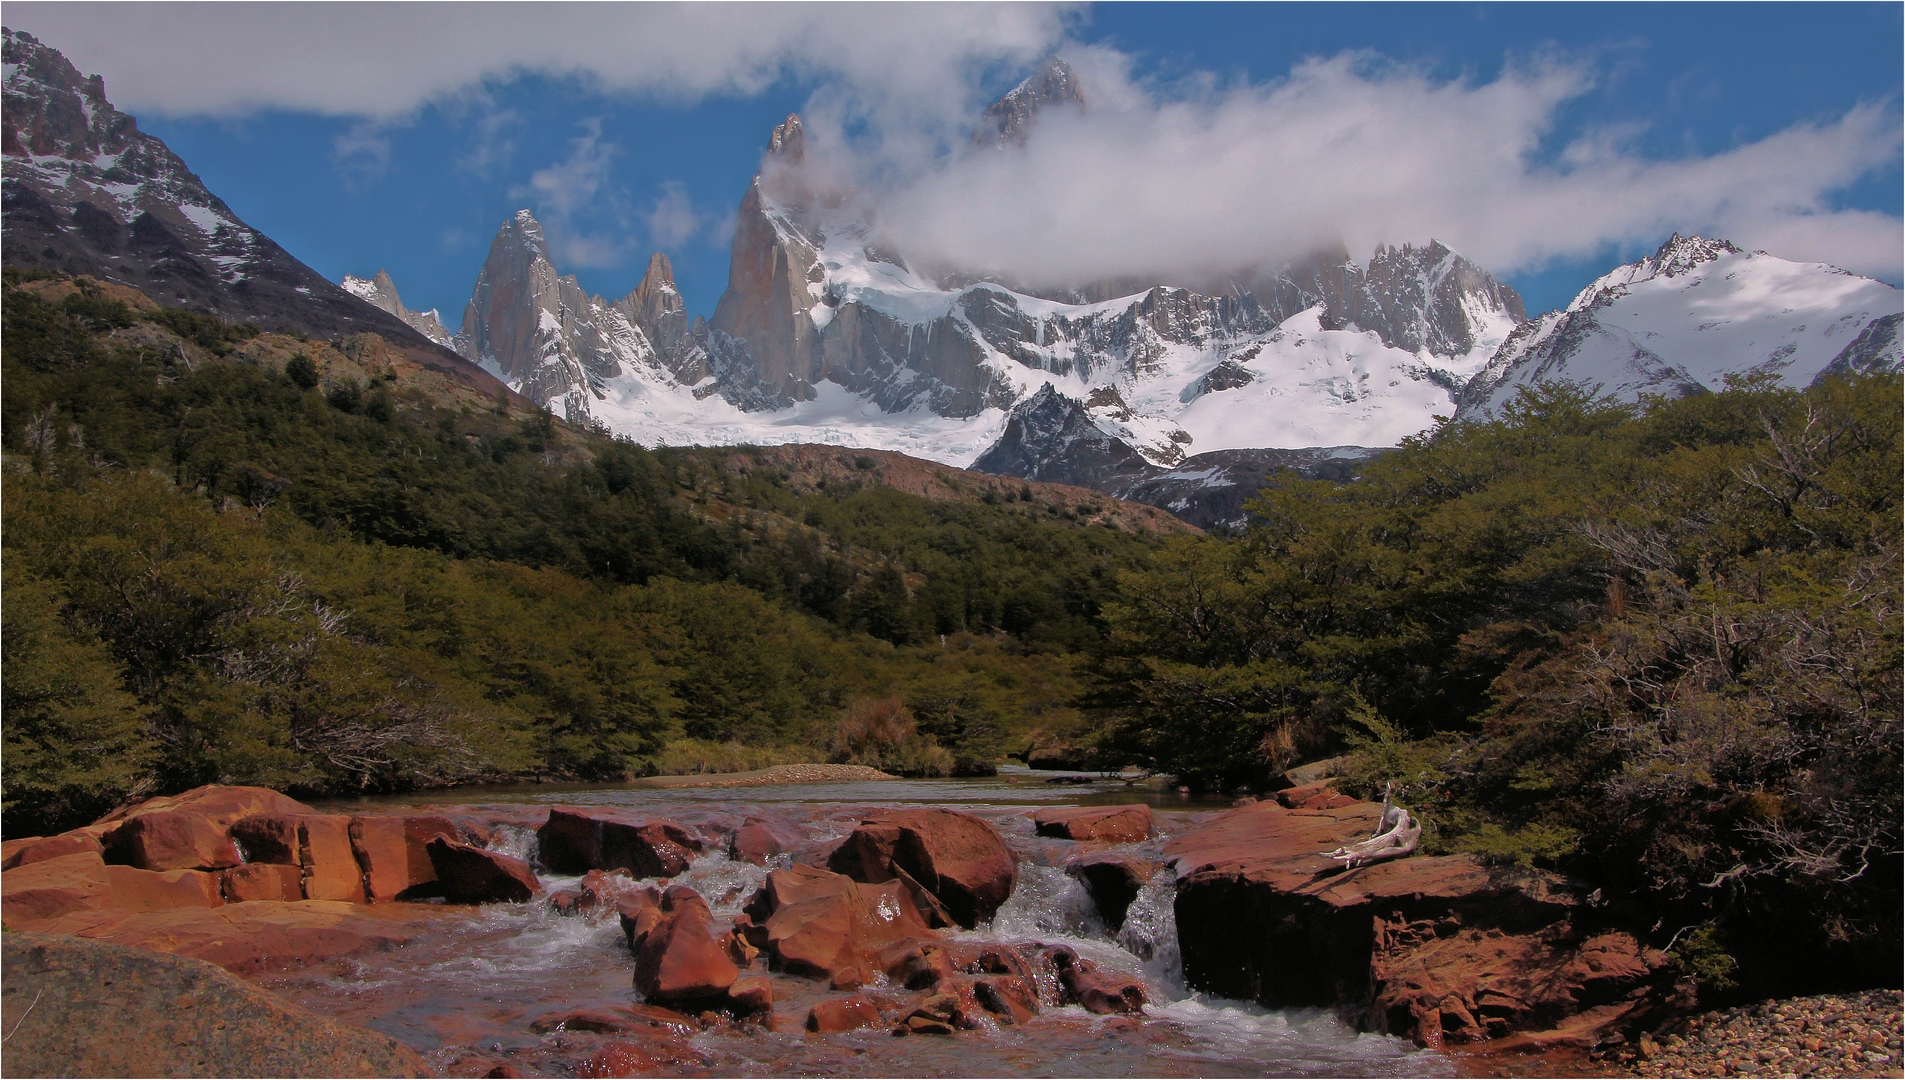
(631, 129)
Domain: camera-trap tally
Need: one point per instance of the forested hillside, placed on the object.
(253, 558)
(1658, 648)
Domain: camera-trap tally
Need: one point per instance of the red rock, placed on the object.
(828, 926)
(472, 875)
(1099, 991)
(383, 852)
(1010, 998)
(751, 995)
(156, 890)
(678, 960)
(1320, 795)
(639, 910)
(1113, 880)
(330, 866)
(959, 858)
(251, 937)
(761, 838)
(849, 1013)
(263, 881)
(51, 888)
(268, 838)
(173, 840)
(576, 839)
(32, 849)
(221, 804)
(615, 1019)
(654, 1052)
(1429, 947)
(1125, 824)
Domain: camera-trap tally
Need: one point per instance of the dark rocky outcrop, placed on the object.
(1432, 948)
(1113, 880)
(575, 840)
(472, 875)
(102, 198)
(84, 1008)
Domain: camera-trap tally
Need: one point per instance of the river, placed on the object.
(473, 987)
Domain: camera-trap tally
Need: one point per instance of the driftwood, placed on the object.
(1396, 836)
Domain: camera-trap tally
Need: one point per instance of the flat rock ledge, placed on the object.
(74, 1007)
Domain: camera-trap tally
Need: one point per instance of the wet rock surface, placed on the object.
(958, 858)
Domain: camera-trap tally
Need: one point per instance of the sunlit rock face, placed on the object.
(381, 292)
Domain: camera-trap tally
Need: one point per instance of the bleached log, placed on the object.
(1396, 836)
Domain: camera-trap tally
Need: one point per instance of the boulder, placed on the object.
(473, 875)
(958, 858)
(1319, 795)
(751, 995)
(1102, 992)
(1127, 824)
(1429, 947)
(849, 1013)
(156, 890)
(761, 838)
(330, 865)
(54, 887)
(172, 840)
(826, 925)
(383, 850)
(263, 881)
(32, 849)
(1113, 880)
(219, 803)
(677, 959)
(84, 1008)
(576, 839)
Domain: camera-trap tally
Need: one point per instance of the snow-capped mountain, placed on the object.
(1689, 315)
(87, 192)
(382, 292)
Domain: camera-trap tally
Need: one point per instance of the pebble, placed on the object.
(1829, 1035)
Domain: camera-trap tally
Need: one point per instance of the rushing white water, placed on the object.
(476, 987)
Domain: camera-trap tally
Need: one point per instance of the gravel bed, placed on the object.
(798, 774)
(1829, 1035)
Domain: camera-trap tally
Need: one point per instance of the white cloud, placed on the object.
(1352, 149)
(389, 59)
(362, 153)
(571, 184)
(673, 219)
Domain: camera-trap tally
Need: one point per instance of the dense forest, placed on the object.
(1657, 647)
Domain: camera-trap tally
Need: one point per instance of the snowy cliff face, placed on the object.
(87, 192)
(1322, 353)
(539, 332)
(1694, 312)
(381, 292)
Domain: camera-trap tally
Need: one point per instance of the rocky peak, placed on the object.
(657, 309)
(87, 192)
(1008, 120)
(381, 292)
(53, 110)
(1682, 253)
(1051, 437)
(788, 141)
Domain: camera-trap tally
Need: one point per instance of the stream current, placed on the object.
(471, 988)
